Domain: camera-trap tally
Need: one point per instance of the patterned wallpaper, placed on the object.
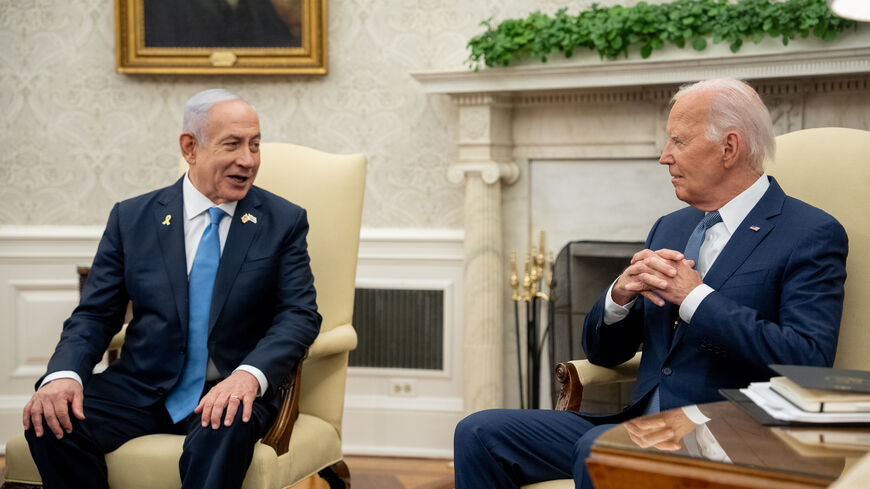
(79, 137)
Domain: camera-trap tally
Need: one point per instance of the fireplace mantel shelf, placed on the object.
(850, 54)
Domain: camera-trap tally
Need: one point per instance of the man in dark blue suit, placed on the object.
(744, 278)
(223, 304)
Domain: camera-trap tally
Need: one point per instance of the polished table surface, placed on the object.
(730, 450)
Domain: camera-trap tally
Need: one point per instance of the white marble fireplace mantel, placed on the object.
(603, 123)
(848, 54)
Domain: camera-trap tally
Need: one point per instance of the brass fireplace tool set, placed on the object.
(537, 277)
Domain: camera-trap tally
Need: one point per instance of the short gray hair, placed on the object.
(737, 107)
(197, 108)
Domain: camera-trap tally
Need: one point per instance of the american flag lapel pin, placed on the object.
(249, 218)
(754, 228)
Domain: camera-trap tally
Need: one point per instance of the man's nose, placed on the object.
(247, 158)
(666, 158)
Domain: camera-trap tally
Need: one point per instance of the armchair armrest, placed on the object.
(118, 339)
(575, 374)
(337, 340)
(114, 348)
(278, 436)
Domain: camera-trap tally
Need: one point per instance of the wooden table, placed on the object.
(757, 457)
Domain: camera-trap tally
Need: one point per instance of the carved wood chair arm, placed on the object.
(278, 436)
(575, 374)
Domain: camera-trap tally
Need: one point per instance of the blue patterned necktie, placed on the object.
(693, 246)
(185, 395)
(693, 250)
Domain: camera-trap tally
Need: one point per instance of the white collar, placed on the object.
(736, 210)
(195, 203)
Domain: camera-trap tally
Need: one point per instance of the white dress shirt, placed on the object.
(733, 213)
(196, 206)
(701, 441)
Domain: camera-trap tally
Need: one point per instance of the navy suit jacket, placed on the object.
(778, 299)
(263, 310)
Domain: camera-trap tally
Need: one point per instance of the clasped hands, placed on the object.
(54, 401)
(663, 275)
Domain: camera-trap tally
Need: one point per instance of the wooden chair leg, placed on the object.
(336, 475)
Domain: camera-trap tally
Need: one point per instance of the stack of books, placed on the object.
(808, 395)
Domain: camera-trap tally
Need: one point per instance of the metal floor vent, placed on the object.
(399, 328)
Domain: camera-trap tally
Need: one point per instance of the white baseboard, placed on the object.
(396, 451)
(414, 427)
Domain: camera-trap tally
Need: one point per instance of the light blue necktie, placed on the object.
(693, 246)
(693, 250)
(185, 395)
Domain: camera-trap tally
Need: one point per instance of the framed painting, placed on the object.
(221, 37)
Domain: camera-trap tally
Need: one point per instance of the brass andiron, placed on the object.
(537, 277)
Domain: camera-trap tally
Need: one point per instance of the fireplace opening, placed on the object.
(583, 270)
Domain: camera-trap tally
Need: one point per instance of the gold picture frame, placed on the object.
(265, 37)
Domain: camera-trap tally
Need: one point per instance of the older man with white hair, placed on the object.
(743, 278)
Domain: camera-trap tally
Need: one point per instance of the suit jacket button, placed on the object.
(667, 371)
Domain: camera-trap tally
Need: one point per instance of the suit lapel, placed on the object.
(239, 239)
(757, 224)
(169, 209)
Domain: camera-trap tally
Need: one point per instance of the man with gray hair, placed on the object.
(743, 278)
(223, 303)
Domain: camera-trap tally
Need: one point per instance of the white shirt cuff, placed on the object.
(61, 374)
(613, 312)
(264, 384)
(695, 414)
(692, 301)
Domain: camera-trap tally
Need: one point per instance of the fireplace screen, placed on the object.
(582, 272)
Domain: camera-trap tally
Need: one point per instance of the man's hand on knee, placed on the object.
(239, 388)
(52, 402)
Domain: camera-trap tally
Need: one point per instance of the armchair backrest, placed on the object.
(330, 187)
(830, 169)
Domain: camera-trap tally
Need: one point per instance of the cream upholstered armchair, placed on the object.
(825, 167)
(306, 437)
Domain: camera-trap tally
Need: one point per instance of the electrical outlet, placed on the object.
(403, 387)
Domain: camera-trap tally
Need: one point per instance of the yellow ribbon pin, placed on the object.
(166, 219)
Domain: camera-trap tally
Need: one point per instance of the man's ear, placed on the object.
(187, 142)
(731, 149)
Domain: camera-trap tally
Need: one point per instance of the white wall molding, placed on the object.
(398, 245)
(38, 290)
(62, 243)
